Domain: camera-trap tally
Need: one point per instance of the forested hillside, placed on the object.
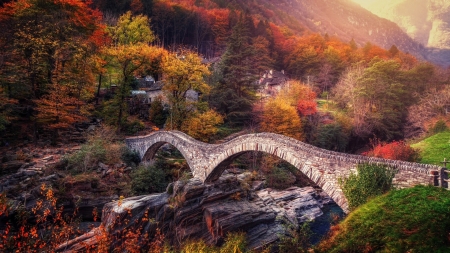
(57, 70)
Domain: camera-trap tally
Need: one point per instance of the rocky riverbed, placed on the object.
(191, 209)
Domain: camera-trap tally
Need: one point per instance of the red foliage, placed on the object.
(397, 150)
(306, 104)
(306, 107)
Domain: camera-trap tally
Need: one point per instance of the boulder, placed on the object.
(194, 210)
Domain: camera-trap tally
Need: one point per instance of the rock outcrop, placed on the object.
(194, 210)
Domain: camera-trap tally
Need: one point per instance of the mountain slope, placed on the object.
(346, 20)
(426, 21)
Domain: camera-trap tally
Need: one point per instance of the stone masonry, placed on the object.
(324, 167)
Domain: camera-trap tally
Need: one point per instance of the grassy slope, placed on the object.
(434, 149)
(408, 220)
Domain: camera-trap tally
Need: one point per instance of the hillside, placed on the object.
(345, 20)
(426, 21)
(434, 148)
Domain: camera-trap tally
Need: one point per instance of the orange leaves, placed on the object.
(80, 13)
(219, 20)
(12, 8)
(59, 109)
(44, 235)
(99, 37)
(375, 51)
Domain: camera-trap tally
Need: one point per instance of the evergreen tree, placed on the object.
(235, 93)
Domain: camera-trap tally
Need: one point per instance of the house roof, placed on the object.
(272, 77)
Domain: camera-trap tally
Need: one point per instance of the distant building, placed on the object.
(153, 90)
(272, 82)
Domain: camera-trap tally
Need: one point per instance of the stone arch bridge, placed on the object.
(208, 161)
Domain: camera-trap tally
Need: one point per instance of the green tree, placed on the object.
(235, 92)
(129, 56)
(132, 30)
(375, 98)
(157, 114)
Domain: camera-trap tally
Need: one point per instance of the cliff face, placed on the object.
(426, 21)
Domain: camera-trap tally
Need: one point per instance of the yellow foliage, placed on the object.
(183, 72)
(280, 117)
(203, 126)
(296, 91)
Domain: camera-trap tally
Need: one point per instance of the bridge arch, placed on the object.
(208, 161)
(148, 150)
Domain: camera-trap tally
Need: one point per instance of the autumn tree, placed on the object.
(128, 60)
(281, 117)
(432, 106)
(183, 74)
(48, 48)
(43, 36)
(131, 30)
(59, 108)
(129, 56)
(202, 126)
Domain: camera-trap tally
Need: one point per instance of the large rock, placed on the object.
(193, 210)
(11, 167)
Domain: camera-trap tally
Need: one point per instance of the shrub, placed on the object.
(100, 147)
(370, 181)
(397, 150)
(148, 179)
(130, 157)
(88, 156)
(408, 220)
(40, 230)
(132, 127)
(234, 243)
(298, 242)
(439, 127)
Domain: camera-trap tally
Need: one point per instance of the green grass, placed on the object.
(434, 149)
(409, 220)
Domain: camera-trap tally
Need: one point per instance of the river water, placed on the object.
(321, 225)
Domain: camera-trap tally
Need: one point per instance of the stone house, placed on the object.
(272, 81)
(149, 90)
